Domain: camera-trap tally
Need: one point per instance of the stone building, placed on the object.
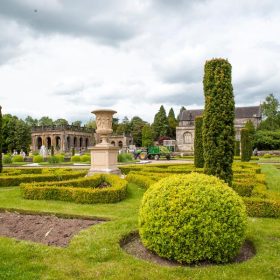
(185, 130)
(64, 138)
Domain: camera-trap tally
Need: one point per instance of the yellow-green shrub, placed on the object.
(38, 159)
(192, 218)
(17, 158)
(83, 190)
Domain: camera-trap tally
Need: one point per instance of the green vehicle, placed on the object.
(153, 152)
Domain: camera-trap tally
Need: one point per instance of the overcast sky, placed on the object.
(65, 58)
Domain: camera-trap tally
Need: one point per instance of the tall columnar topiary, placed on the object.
(218, 119)
(246, 145)
(52, 151)
(198, 145)
(237, 148)
(1, 139)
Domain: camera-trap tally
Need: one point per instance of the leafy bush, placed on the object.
(53, 159)
(192, 218)
(218, 119)
(17, 158)
(125, 157)
(38, 159)
(7, 159)
(75, 158)
(236, 148)
(98, 188)
(85, 158)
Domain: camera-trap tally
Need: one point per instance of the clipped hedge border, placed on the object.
(16, 180)
(83, 190)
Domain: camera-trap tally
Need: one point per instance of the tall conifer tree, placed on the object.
(160, 125)
(1, 140)
(218, 119)
(172, 123)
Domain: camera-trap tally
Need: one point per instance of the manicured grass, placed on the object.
(272, 177)
(95, 252)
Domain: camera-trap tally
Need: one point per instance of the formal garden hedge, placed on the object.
(99, 188)
(248, 182)
(14, 177)
(192, 218)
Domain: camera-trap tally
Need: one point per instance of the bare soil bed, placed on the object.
(133, 246)
(46, 229)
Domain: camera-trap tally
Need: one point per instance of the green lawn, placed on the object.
(95, 252)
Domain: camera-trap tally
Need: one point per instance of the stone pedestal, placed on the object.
(104, 159)
(104, 156)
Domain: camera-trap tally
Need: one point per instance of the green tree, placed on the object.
(181, 110)
(147, 136)
(60, 122)
(160, 125)
(1, 140)
(271, 113)
(218, 119)
(124, 127)
(16, 134)
(251, 130)
(137, 125)
(77, 123)
(45, 121)
(30, 121)
(172, 123)
(91, 124)
(198, 143)
(246, 145)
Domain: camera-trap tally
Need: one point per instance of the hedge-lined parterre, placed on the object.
(192, 218)
(100, 188)
(27, 176)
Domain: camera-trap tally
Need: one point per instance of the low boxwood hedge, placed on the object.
(54, 175)
(99, 188)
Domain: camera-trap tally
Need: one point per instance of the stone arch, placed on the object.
(39, 142)
(49, 142)
(81, 142)
(120, 144)
(57, 142)
(86, 143)
(68, 143)
(187, 137)
(113, 143)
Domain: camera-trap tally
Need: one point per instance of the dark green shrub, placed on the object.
(237, 148)
(85, 158)
(17, 158)
(198, 143)
(73, 151)
(218, 119)
(75, 159)
(99, 188)
(38, 159)
(267, 140)
(53, 160)
(7, 159)
(246, 145)
(192, 218)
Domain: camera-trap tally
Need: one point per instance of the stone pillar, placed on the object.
(104, 157)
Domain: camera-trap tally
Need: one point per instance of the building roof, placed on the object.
(240, 113)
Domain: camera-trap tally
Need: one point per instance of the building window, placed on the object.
(187, 138)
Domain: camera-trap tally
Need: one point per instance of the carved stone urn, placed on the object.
(104, 119)
(104, 156)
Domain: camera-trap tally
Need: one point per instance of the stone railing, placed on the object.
(62, 128)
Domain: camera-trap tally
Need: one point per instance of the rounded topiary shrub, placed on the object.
(192, 218)
(85, 158)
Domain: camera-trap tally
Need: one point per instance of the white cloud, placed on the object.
(67, 58)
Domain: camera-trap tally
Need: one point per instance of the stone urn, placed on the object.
(104, 156)
(104, 119)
